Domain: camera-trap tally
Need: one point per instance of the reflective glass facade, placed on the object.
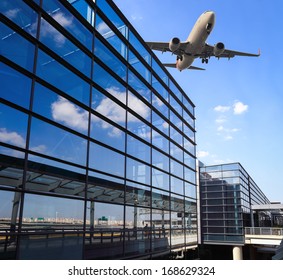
(96, 138)
(226, 194)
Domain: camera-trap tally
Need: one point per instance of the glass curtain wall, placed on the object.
(227, 193)
(96, 138)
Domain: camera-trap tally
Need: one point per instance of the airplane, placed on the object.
(195, 46)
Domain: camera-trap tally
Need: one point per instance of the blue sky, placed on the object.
(239, 101)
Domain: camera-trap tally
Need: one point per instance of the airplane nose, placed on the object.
(212, 17)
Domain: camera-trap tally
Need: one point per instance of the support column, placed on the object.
(237, 253)
(91, 216)
(15, 210)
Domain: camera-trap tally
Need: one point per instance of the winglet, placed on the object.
(259, 52)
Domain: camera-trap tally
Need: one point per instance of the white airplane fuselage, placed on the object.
(196, 40)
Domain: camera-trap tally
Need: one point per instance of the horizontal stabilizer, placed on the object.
(173, 65)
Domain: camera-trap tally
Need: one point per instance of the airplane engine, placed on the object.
(174, 44)
(219, 48)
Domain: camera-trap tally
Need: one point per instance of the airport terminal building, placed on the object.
(97, 140)
(227, 193)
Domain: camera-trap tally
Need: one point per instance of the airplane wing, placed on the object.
(173, 65)
(208, 51)
(164, 47)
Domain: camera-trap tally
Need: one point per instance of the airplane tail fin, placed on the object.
(173, 65)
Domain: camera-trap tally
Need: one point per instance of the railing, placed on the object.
(8, 238)
(264, 231)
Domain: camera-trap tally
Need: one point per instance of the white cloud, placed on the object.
(69, 114)
(136, 17)
(221, 119)
(39, 149)
(65, 21)
(239, 108)
(202, 154)
(48, 30)
(137, 105)
(13, 13)
(16, 139)
(104, 29)
(228, 138)
(12, 138)
(111, 110)
(116, 113)
(222, 109)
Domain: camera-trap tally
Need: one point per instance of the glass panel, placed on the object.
(40, 162)
(160, 123)
(176, 136)
(57, 42)
(188, 105)
(138, 106)
(13, 126)
(9, 211)
(108, 58)
(138, 149)
(139, 86)
(139, 66)
(140, 129)
(160, 106)
(190, 175)
(176, 120)
(138, 230)
(113, 17)
(53, 210)
(176, 152)
(160, 142)
(21, 14)
(56, 180)
(160, 88)
(137, 218)
(44, 212)
(190, 190)
(108, 108)
(106, 160)
(110, 36)
(84, 9)
(160, 160)
(176, 105)
(188, 132)
(109, 83)
(48, 139)
(106, 222)
(11, 152)
(176, 168)
(175, 90)
(188, 119)
(189, 146)
(107, 133)
(140, 48)
(177, 204)
(161, 200)
(161, 236)
(177, 185)
(57, 75)
(160, 73)
(65, 18)
(59, 109)
(137, 194)
(15, 86)
(189, 161)
(9, 47)
(160, 179)
(137, 171)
